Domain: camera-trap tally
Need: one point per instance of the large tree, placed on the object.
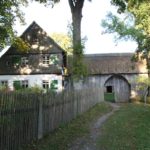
(139, 10)
(76, 7)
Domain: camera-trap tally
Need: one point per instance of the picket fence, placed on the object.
(25, 117)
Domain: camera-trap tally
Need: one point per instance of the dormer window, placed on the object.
(24, 61)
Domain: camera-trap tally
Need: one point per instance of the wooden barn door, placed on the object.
(120, 88)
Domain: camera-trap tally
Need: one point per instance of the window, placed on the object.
(24, 61)
(45, 84)
(20, 84)
(4, 83)
(109, 89)
(46, 59)
(24, 84)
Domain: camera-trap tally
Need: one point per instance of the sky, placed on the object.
(56, 19)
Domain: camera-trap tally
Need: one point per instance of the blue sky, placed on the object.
(56, 20)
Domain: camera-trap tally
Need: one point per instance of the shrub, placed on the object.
(148, 99)
(136, 99)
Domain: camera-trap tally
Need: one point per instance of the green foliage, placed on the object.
(54, 85)
(9, 12)
(122, 28)
(79, 69)
(139, 31)
(34, 89)
(64, 41)
(17, 85)
(54, 59)
(110, 97)
(16, 60)
(143, 82)
(20, 45)
(3, 88)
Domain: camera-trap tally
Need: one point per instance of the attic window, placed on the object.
(46, 59)
(24, 61)
(109, 89)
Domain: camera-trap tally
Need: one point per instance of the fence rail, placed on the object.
(26, 116)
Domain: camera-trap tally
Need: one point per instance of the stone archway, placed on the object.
(117, 89)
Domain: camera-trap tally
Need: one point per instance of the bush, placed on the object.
(148, 100)
(136, 99)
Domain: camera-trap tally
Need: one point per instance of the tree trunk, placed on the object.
(148, 68)
(76, 10)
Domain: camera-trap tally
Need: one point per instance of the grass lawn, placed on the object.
(60, 138)
(127, 129)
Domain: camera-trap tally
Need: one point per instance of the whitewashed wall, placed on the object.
(33, 79)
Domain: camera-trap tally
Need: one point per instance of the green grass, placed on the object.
(127, 129)
(62, 137)
(109, 97)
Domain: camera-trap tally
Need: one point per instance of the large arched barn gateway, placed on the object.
(117, 89)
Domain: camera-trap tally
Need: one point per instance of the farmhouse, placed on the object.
(114, 74)
(42, 65)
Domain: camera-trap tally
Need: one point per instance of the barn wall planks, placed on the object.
(120, 86)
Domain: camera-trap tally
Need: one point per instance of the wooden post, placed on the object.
(40, 119)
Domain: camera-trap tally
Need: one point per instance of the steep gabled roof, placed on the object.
(44, 42)
(113, 63)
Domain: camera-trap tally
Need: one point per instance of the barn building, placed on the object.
(115, 74)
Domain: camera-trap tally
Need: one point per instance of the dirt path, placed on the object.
(89, 142)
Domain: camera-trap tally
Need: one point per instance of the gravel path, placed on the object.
(89, 142)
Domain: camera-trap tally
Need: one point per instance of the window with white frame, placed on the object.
(45, 84)
(24, 61)
(24, 84)
(46, 59)
(4, 83)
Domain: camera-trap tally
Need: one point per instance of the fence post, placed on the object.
(40, 118)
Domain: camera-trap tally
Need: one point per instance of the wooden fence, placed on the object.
(25, 117)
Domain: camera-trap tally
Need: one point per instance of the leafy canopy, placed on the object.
(134, 26)
(9, 12)
(64, 41)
